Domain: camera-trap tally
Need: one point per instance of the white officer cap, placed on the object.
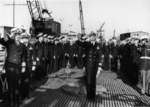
(14, 30)
(40, 34)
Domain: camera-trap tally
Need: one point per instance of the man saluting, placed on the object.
(13, 64)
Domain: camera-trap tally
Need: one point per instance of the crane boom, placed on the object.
(34, 9)
(100, 30)
(81, 18)
(102, 26)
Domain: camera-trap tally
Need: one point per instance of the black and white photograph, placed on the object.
(74, 53)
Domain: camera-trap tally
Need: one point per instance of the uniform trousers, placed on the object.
(13, 79)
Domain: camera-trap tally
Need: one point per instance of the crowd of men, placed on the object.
(135, 61)
(34, 57)
(130, 59)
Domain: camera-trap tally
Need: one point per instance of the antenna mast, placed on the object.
(81, 18)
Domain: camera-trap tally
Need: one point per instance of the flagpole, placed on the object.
(13, 4)
(13, 13)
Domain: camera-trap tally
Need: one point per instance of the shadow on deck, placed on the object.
(118, 94)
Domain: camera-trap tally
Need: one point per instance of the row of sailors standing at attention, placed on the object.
(34, 57)
(134, 56)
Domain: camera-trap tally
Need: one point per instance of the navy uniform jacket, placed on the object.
(15, 53)
(39, 51)
(30, 55)
(92, 64)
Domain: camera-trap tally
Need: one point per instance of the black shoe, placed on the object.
(12, 104)
(91, 99)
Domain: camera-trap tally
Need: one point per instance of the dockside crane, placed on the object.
(100, 30)
(114, 34)
(42, 23)
(81, 18)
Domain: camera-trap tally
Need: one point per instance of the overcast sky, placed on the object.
(122, 15)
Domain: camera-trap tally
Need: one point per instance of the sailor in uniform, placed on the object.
(14, 65)
(91, 68)
(39, 56)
